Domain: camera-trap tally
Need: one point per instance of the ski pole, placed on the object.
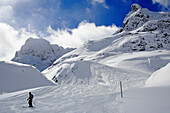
(34, 103)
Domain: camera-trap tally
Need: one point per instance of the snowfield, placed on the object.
(66, 99)
(153, 98)
(16, 76)
(160, 77)
(145, 100)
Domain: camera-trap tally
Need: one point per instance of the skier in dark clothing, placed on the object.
(30, 99)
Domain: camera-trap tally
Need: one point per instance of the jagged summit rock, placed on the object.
(39, 53)
(139, 16)
(135, 7)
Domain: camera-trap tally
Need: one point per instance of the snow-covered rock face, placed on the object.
(39, 53)
(144, 41)
(145, 30)
(135, 7)
(37, 47)
(139, 16)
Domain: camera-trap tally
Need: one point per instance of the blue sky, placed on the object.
(39, 14)
(68, 23)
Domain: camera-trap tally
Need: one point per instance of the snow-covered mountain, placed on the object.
(89, 76)
(39, 53)
(150, 21)
(16, 76)
(141, 47)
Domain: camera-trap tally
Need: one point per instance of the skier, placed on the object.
(30, 99)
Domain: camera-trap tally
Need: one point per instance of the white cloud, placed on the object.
(11, 40)
(166, 3)
(6, 12)
(101, 2)
(12, 2)
(78, 36)
(7, 2)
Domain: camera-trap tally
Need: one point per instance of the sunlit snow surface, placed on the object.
(154, 98)
(16, 76)
(66, 99)
(145, 100)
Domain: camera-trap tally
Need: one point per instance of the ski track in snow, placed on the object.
(65, 99)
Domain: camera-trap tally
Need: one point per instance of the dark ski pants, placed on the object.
(30, 103)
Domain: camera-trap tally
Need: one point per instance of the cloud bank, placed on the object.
(78, 36)
(11, 39)
(166, 3)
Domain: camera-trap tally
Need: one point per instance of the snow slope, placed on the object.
(87, 99)
(144, 100)
(154, 98)
(90, 73)
(39, 53)
(140, 48)
(61, 99)
(160, 78)
(15, 77)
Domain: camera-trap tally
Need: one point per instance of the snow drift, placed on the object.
(144, 100)
(15, 76)
(160, 78)
(90, 73)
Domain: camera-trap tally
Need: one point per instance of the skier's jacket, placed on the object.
(30, 97)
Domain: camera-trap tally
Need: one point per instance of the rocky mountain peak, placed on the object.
(39, 53)
(139, 16)
(135, 7)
